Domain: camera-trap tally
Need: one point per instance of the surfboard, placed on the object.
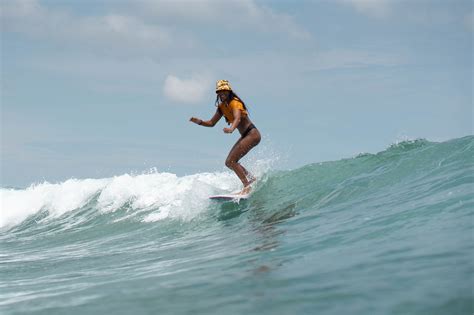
(229, 197)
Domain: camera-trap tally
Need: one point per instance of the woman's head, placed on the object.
(225, 93)
(223, 90)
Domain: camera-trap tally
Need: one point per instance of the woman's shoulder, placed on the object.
(235, 102)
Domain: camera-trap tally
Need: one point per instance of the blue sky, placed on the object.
(102, 88)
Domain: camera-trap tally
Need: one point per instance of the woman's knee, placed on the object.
(229, 162)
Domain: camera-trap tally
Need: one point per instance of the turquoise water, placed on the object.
(385, 233)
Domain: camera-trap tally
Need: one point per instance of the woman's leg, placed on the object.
(240, 149)
(247, 173)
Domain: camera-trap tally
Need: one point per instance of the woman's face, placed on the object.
(223, 95)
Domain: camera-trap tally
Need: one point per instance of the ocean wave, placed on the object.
(384, 233)
(402, 169)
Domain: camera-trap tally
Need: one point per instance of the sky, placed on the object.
(93, 89)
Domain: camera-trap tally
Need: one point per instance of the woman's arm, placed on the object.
(237, 117)
(208, 123)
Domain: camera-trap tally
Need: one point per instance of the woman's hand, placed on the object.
(228, 130)
(196, 120)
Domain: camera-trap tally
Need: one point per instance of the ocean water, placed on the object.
(384, 233)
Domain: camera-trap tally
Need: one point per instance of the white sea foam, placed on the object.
(155, 195)
(169, 195)
(165, 194)
(17, 205)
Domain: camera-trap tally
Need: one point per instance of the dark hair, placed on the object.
(232, 95)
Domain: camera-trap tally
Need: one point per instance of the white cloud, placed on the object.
(147, 28)
(121, 27)
(373, 8)
(188, 91)
(114, 32)
(227, 15)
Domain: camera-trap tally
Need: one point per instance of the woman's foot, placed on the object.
(252, 180)
(247, 189)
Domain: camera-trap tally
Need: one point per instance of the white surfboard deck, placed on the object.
(229, 197)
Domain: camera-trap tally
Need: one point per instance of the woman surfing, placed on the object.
(236, 115)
